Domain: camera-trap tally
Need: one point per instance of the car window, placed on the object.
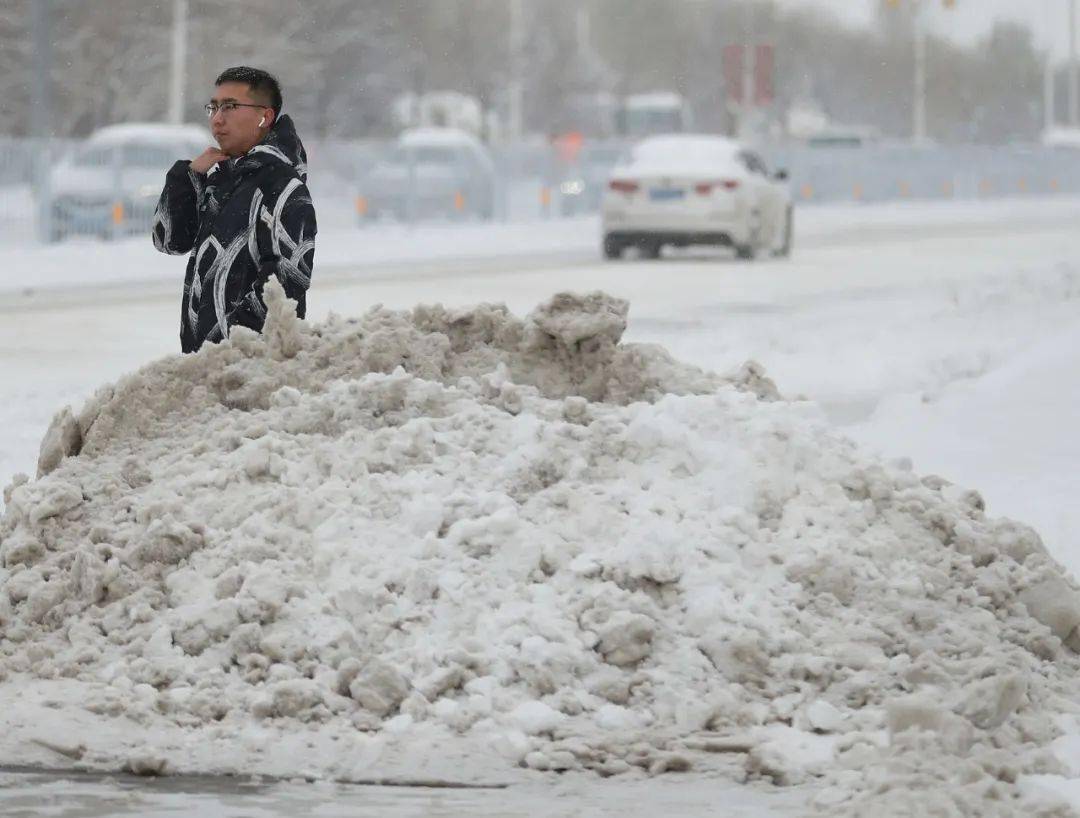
(426, 154)
(754, 163)
(136, 155)
(93, 157)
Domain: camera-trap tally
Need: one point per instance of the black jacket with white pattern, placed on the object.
(249, 218)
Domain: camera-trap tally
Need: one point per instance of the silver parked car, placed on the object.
(109, 185)
(431, 172)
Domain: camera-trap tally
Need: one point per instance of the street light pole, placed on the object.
(583, 30)
(1074, 79)
(41, 110)
(747, 70)
(919, 107)
(178, 63)
(41, 70)
(1049, 114)
(517, 89)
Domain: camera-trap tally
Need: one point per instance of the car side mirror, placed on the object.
(781, 175)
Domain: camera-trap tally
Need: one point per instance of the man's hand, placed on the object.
(207, 159)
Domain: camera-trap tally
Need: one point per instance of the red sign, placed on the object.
(764, 56)
(764, 61)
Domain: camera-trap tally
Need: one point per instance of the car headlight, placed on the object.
(572, 187)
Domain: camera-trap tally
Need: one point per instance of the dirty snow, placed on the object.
(461, 545)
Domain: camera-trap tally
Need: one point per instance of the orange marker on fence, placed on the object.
(807, 191)
(905, 189)
(118, 213)
(545, 196)
(947, 188)
(1022, 184)
(361, 206)
(1054, 186)
(986, 187)
(857, 192)
(459, 201)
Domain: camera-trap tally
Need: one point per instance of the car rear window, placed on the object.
(684, 150)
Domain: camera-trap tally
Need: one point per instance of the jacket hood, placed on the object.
(282, 144)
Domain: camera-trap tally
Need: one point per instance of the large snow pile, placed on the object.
(518, 544)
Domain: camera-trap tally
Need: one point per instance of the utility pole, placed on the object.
(178, 62)
(41, 111)
(1048, 91)
(517, 87)
(583, 30)
(919, 33)
(918, 125)
(1074, 78)
(747, 71)
(41, 69)
(1049, 115)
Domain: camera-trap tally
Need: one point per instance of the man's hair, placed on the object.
(264, 87)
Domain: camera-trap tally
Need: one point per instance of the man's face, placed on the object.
(239, 130)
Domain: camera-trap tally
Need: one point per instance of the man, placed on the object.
(242, 210)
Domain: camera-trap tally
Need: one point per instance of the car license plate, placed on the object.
(666, 194)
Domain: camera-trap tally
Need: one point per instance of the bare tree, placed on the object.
(342, 62)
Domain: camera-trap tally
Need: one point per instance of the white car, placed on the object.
(109, 185)
(682, 190)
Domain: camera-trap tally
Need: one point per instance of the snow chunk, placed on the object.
(62, 439)
(536, 717)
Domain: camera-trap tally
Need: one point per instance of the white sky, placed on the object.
(970, 19)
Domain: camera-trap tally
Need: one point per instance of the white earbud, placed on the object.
(262, 122)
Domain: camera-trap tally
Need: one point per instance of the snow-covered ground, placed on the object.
(944, 333)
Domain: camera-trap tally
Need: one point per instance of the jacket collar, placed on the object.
(281, 146)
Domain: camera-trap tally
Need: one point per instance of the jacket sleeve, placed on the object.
(291, 257)
(176, 219)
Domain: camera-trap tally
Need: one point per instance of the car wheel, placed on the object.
(748, 251)
(649, 249)
(613, 248)
(745, 252)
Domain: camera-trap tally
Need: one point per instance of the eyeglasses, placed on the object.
(212, 108)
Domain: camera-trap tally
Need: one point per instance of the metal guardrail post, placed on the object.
(116, 220)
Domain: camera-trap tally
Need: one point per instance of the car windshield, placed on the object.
(132, 155)
(93, 157)
(425, 155)
(149, 156)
